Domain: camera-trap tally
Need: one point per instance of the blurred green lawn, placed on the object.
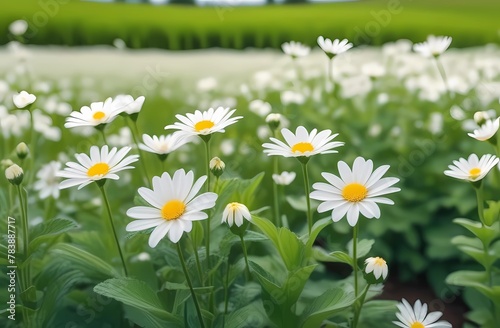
(72, 22)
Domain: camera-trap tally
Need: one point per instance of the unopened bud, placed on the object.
(273, 120)
(376, 270)
(481, 117)
(217, 166)
(5, 163)
(14, 174)
(22, 150)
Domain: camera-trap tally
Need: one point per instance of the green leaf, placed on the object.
(325, 306)
(467, 241)
(492, 213)
(364, 247)
(316, 229)
(85, 260)
(177, 286)
(381, 312)
(291, 249)
(137, 294)
(295, 282)
(266, 280)
(268, 228)
(46, 231)
(484, 233)
(252, 315)
(337, 256)
(197, 233)
(299, 203)
(476, 280)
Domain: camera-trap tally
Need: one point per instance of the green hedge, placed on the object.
(186, 27)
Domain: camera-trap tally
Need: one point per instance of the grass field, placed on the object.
(178, 27)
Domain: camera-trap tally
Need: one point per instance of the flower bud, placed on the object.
(22, 150)
(376, 270)
(23, 99)
(14, 174)
(217, 166)
(273, 120)
(5, 163)
(481, 117)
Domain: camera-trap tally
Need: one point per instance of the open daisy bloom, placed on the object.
(295, 49)
(417, 317)
(204, 123)
(356, 191)
(434, 46)
(335, 47)
(486, 131)
(473, 169)
(302, 143)
(98, 113)
(126, 104)
(234, 213)
(102, 164)
(378, 267)
(163, 145)
(173, 208)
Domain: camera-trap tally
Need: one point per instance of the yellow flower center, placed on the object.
(354, 192)
(98, 169)
(417, 325)
(98, 115)
(203, 125)
(474, 172)
(302, 147)
(173, 209)
(379, 261)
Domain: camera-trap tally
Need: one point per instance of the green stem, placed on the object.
(245, 254)
(193, 294)
(480, 202)
(443, 76)
(135, 136)
(330, 70)
(197, 258)
(308, 200)
(24, 217)
(355, 258)
(103, 136)
(105, 198)
(275, 193)
(226, 290)
(207, 165)
(24, 274)
(357, 310)
(32, 149)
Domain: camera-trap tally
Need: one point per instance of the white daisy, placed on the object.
(486, 131)
(163, 145)
(127, 104)
(234, 213)
(378, 266)
(473, 169)
(284, 178)
(434, 46)
(173, 208)
(295, 49)
(102, 164)
(302, 143)
(204, 123)
(417, 317)
(356, 191)
(335, 47)
(48, 182)
(98, 113)
(18, 27)
(23, 99)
